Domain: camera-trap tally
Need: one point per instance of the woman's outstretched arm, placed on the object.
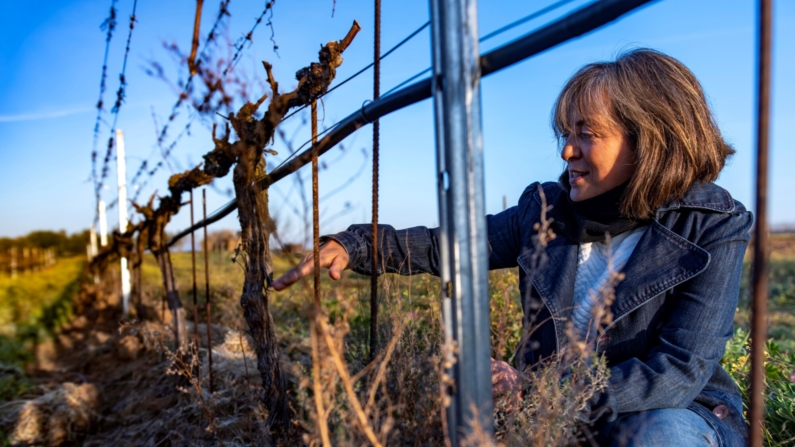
(407, 252)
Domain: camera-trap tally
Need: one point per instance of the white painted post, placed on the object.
(93, 249)
(103, 224)
(121, 175)
(93, 242)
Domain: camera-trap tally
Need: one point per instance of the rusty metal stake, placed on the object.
(376, 131)
(315, 212)
(760, 268)
(193, 268)
(207, 293)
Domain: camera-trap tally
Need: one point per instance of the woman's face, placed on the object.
(597, 161)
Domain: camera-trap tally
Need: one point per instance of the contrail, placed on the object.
(41, 115)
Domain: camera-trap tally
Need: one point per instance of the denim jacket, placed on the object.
(672, 315)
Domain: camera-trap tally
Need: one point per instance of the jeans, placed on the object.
(667, 427)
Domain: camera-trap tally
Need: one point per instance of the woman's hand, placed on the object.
(332, 255)
(506, 382)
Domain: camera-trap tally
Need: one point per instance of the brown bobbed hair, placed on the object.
(661, 107)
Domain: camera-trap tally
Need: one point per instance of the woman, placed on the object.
(641, 149)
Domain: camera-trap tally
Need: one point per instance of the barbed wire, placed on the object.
(110, 24)
(120, 94)
(248, 37)
(488, 36)
(368, 66)
(239, 47)
(223, 11)
(165, 154)
(229, 206)
(491, 35)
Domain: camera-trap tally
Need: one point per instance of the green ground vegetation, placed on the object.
(417, 295)
(779, 352)
(32, 307)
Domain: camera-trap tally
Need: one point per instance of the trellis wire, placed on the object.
(493, 34)
(248, 36)
(119, 99)
(366, 67)
(222, 11)
(164, 154)
(110, 22)
(575, 24)
(168, 150)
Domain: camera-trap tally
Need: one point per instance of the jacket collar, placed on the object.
(704, 196)
(661, 260)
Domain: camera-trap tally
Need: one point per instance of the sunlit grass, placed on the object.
(33, 305)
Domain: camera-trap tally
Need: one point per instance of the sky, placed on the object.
(51, 55)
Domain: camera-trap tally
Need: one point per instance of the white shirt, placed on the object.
(593, 275)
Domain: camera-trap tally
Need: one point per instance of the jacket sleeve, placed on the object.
(693, 338)
(407, 252)
(416, 250)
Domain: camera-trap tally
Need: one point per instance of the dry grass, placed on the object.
(151, 396)
(120, 385)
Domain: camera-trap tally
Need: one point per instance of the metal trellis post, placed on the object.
(207, 293)
(756, 411)
(463, 245)
(193, 272)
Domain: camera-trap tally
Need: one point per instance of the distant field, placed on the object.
(34, 304)
(36, 301)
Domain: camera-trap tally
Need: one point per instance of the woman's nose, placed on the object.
(570, 150)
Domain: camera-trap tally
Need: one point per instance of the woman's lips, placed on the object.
(576, 177)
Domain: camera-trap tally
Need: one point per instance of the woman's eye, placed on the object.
(586, 135)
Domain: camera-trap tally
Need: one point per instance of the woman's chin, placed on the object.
(577, 194)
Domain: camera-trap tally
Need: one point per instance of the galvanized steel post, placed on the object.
(463, 244)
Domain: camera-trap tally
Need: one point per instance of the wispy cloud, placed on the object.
(42, 115)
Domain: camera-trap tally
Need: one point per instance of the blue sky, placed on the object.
(51, 54)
